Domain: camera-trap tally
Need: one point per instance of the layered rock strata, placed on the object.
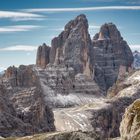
(29, 111)
(112, 56)
(43, 53)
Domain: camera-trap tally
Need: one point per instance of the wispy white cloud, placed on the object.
(18, 28)
(39, 10)
(92, 27)
(16, 15)
(28, 18)
(19, 48)
(135, 47)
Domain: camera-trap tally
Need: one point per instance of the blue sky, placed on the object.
(25, 24)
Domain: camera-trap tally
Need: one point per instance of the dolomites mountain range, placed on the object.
(79, 84)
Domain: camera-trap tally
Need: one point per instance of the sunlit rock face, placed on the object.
(43, 53)
(72, 47)
(130, 125)
(112, 55)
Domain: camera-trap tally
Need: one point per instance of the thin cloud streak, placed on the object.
(19, 48)
(14, 14)
(39, 10)
(28, 19)
(94, 27)
(17, 28)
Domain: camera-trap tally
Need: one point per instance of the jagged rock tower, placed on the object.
(103, 59)
(112, 56)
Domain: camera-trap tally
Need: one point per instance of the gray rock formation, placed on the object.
(73, 45)
(22, 76)
(62, 88)
(74, 75)
(102, 115)
(25, 111)
(112, 55)
(43, 53)
(77, 135)
(104, 59)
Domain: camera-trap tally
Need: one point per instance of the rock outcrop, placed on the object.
(112, 56)
(43, 54)
(62, 88)
(73, 46)
(22, 76)
(77, 135)
(102, 115)
(130, 125)
(25, 111)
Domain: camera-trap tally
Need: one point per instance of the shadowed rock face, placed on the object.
(43, 53)
(112, 56)
(73, 45)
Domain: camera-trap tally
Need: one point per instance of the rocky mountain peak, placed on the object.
(80, 20)
(112, 55)
(102, 59)
(71, 47)
(109, 31)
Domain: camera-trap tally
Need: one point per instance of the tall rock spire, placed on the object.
(72, 45)
(112, 55)
(43, 56)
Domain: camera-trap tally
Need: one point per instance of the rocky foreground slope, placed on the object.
(78, 83)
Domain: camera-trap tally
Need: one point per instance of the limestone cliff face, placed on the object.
(73, 45)
(112, 55)
(103, 59)
(43, 53)
(130, 125)
(23, 109)
(22, 76)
